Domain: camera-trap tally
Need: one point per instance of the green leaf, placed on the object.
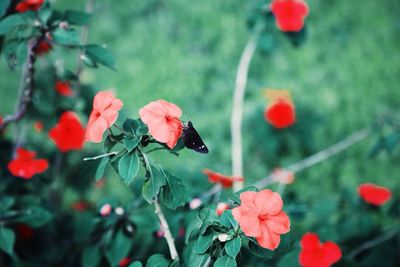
(118, 248)
(35, 217)
(204, 242)
(4, 6)
(101, 168)
(227, 219)
(157, 260)
(193, 226)
(153, 185)
(10, 22)
(128, 167)
(130, 125)
(7, 239)
(66, 37)
(15, 52)
(100, 55)
(225, 261)
(232, 247)
(135, 264)
(174, 194)
(76, 17)
(197, 260)
(131, 143)
(91, 256)
(6, 202)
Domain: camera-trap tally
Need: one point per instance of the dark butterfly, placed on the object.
(192, 139)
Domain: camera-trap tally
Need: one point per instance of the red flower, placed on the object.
(38, 126)
(64, 88)
(80, 205)
(124, 262)
(225, 181)
(221, 207)
(43, 48)
(260, 215)
(280, 114)
(289, 14)
(1, 120)
(316, 254)
(29, 5)
(374, 194)
(24, 232)
(105, 210)
(25, 165)
(69, 133)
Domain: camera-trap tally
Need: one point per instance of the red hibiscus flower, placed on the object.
(69, 133)
(289, 14)
(221, 207)
(260, 215)
(104, 114)
(316, 254)
(29, 5)
(124, 262)
(38, 126)
(43, 48)
(225, 181)
(374, 194)
(25, 165)
(64, 88)
(162, 118)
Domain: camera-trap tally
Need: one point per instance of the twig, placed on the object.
(373, 242)
(237, 110)
(320, 156)
(167, 232)
(26, 96)
(101, 156)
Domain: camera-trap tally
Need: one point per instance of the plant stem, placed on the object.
(374, 242)
(167, 232)
(101, 156)
(237, 110)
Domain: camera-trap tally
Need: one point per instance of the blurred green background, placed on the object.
(345, 75)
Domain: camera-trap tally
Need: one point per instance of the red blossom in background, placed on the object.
(80, 206)
(24, 232)
(105, 210)
(29, 5)
(25, 165)
(124, 262)
(283, 176)
(225, 181)
(374, 194)
(280, 114)
(43, 48)
(38, 126)
(162, 118)
(289, 14)
(69, 133)
(103, 116)
(1, 120)
(316, 254)
(221, 207)
(260, 215)
(64, 88)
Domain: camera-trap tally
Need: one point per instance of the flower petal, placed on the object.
(279, 223)
(268, 239)
(268, 202)
(95, 129)
(250, 225)
(331, 252)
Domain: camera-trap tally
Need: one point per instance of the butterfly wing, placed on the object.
(192, 139)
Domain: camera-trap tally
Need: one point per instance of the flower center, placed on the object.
(97, 113)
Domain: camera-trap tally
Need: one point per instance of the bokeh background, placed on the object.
(343, 78)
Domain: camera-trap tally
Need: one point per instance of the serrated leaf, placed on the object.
(101, 168)
(66, 37)
(128, 167)
(204, 242)
(76, 17)
(100, 55)
(91, 256)
(232, 247)
(131, 143)
(225, 261)
(7, 240)
(174, 194)
(153, 185)
(157, 260)
(193, 226)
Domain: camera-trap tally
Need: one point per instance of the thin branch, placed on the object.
(237, 109)
(167, 232)
(101, 156)
(26, 96)
(372, 243)
(320, 156)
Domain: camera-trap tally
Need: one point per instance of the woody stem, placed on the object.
(237, 110)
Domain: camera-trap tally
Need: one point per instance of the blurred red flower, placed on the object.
(43, 48)
(24, 232)
(316, 254)
(69, 133)
(64, 88)
(29, 5)
(124, 262)
(104, 114)
(162, 118)
(80, 205)
(38, 126)
(105, 210)
(1, 120)
(260, 215)
(25, 165)
(374, 194)
(283, 176)
(289, 14)
(225, 181)
(221, 207)
(280, 114)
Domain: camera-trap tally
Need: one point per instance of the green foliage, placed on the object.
(157, 260)
(77, 17)
(100, 55)
(128, 167)
(7, 239)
